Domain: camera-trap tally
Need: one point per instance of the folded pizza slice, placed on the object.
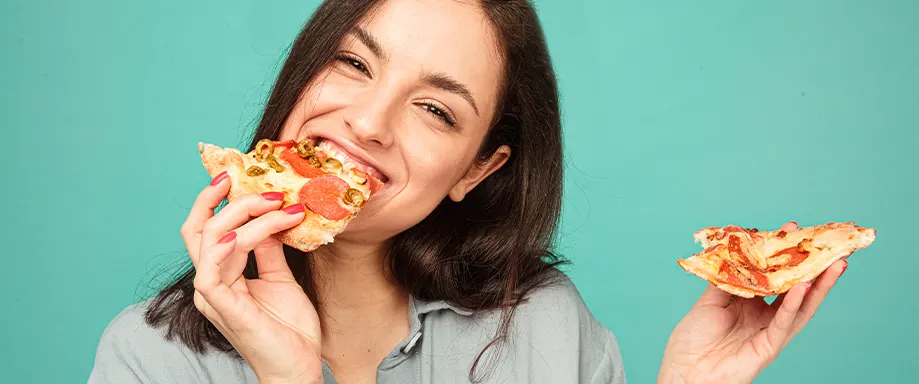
(332, 192)
(747, 262)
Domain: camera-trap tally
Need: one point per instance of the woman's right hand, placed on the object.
(269, 320)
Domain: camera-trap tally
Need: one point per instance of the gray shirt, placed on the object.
(553, 338)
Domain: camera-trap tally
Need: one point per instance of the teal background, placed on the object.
(678, 115)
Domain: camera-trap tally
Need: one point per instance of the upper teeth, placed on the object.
(342, 156)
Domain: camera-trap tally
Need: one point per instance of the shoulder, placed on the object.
(555, 320)
(557, 301)
(552, 335)
(132, 351)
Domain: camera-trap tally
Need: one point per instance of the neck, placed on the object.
(363, 314)
(354, 289)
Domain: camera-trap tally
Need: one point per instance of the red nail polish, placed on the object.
(227, 238)
(219, 178)
(294, 209)
(808, 288)
(844, 266)
(274, 196)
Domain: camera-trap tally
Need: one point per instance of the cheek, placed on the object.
(315, 101)
(434, 165)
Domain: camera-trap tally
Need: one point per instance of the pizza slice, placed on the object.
(333, 192)
(747, 262)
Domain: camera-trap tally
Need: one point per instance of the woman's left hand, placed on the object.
(727, 339)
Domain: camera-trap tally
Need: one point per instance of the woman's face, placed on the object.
(409, 97)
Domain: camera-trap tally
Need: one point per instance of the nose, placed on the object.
(369, 119)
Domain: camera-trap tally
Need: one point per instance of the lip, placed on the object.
(357, 154)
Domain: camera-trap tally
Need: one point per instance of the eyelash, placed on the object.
(438, 112)
(354, 62)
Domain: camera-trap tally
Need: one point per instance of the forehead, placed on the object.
(439, 36)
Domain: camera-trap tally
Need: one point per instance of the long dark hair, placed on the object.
(486, 252)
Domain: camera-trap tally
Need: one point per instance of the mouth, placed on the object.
(349, 159)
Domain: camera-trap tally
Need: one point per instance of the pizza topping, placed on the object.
(256, 171)
(263, 148)
(734, 248)
(781, 234)
(762, 281)
(727, 271)
(323, 195)
(301, 166)
(733, 274)
(796, 255)
(305, 148)
(285, 144)
(274, 164)
(359, 177)
(375, 184)
(734, 229)
(332, 164)
(353, 197)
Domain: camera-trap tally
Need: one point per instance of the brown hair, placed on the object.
(487, 251)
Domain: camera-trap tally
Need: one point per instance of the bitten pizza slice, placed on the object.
(747, 262)
(332, 192)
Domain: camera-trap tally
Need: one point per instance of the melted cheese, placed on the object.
(288, 181)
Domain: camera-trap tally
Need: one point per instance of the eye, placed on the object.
(439, 113)
(354, 62)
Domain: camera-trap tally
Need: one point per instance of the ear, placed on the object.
(478, 172)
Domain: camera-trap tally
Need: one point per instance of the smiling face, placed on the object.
(409, 98)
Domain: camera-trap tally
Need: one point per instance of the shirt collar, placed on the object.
(420, 307)
(417, 309)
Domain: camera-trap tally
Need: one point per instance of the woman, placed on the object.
(446, 276)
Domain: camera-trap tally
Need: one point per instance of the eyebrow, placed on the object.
(436, 80)
(371, 42)
(447, 83)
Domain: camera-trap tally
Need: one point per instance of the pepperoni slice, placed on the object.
(762, 281)
(798, 255)
(322, 195)
(727, 273)
(285, 144)
(301, 165)
(374, 184)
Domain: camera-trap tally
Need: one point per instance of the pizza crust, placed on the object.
(771, 262)
(315, 230)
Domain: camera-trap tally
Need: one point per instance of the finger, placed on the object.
(789, 226)
(815, 297)
(713, 297)
(207, 274)
(782, 324)
(257, 232)
(272, 265)
(237, 213)
(268, 224)
(202, 210)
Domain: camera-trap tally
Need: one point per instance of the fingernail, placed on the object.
(844, 266)
(219, 178)
(808, 288)
(794, 222)
(274, 196)
(294, 209)
(227, 238)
